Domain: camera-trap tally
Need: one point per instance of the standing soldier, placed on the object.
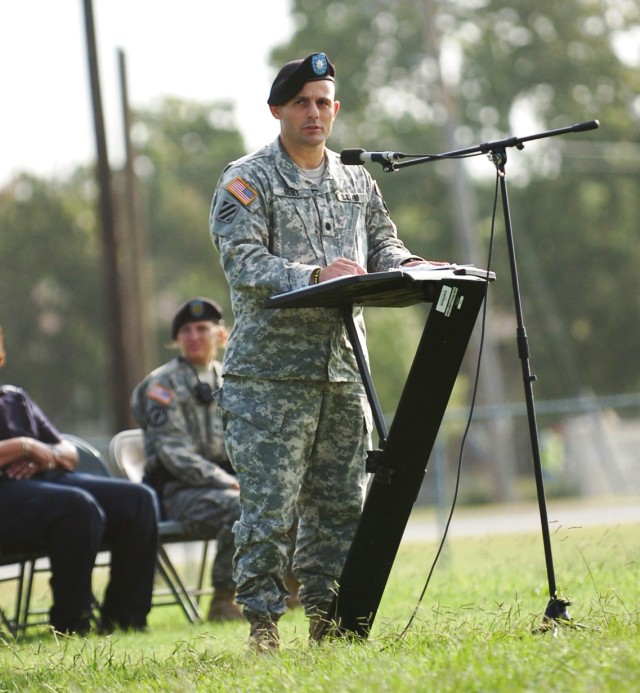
(297, 419)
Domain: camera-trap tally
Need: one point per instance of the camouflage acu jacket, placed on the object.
(272, 227)
(181, 435)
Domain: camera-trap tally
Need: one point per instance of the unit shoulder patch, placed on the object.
(227, 211)
(157, 417)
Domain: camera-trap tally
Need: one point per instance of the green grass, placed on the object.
(473, 632)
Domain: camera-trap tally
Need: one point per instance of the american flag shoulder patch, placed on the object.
(159, 393)
(242, 191)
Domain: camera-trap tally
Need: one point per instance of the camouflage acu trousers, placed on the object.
(296, 446)
(208, 513)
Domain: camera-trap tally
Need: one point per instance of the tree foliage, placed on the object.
(417, 76)
(183, 148)
(52, 278)
(51, 307)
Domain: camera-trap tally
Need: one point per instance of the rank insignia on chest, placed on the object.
(242, 191)
(160, 394)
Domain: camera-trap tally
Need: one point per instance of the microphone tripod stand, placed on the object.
(556, 609)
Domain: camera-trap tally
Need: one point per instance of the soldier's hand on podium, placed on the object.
(342, 267)
(433, 263)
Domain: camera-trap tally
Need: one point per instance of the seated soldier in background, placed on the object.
(46, 505)
(186, 459)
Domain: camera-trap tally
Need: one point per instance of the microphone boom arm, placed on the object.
(488, 147)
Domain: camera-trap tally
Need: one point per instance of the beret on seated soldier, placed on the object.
(196, 310)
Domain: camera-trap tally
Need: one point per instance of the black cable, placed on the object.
(469, 419)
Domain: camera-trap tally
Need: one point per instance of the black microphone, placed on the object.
(355, 157)
(588, 125)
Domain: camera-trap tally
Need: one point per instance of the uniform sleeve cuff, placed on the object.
(412, 258)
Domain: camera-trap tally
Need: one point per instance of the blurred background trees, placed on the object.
(417, 76)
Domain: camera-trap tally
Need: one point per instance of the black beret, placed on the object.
(294, 75)
(195, 310)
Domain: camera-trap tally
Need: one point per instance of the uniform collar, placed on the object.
(290, 172)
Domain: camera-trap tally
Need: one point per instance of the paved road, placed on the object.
(515, 519)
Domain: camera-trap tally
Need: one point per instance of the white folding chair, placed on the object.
(126, 452)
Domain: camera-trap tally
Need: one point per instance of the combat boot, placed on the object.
(264, 637)
(223, 607)
(317, 627)
(320, 627)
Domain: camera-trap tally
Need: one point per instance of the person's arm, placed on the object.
(242, 237)
(170, 439)
(178, 456)
(13, 450)
(22, 457)
(65, 455)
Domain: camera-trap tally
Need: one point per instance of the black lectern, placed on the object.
(456, 294)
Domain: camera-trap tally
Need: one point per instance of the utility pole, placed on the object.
(114, 323)
(136, 272)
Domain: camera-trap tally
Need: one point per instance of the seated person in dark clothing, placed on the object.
(45, 504)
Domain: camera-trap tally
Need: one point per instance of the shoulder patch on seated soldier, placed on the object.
(159, 393)
(157, 416)
(242, 191)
